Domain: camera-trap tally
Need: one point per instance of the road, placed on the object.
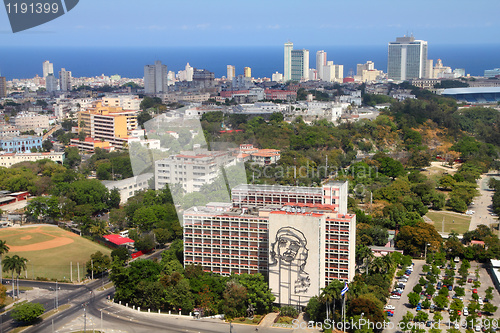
(402, 305)
(68, 293)
(482, 204)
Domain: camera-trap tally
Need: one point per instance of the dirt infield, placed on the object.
(56, 241)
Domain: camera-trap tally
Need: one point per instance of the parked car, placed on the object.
(389, 307)
(395, 296)
(469, 280)
(419, 308)
(466, 311)
(450, 288)
(477, 328)
(428, 323)
(480, 301)
(390, 314)
(474, 291)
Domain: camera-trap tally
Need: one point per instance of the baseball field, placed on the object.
(52, 252)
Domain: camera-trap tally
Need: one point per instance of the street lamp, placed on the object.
(427, 244)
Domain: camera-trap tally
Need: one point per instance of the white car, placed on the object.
(465, 312)
(477, 328)
(480, 301)
(457, 326)
(395, 297)
(390, 307)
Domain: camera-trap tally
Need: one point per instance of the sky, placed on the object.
(146, 23)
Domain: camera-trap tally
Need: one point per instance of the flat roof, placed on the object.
(471, 90)
(118, 240)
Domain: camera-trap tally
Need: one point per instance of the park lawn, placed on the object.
(452, 221)
(53, 263)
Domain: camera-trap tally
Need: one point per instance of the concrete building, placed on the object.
(107, 123)
(64, 80)
(262, 157)
(300, 65)
(247, 72)
(90, 144)
(3, 87)
(288, 62)
(51, 83)
(27, 121)
(126, 102)
(300, 237)
(155, 78)
(9, 159)
(333, 73)
(368, 66)
(231, 72)
(22, 143)
(277, 77)
(130, 186)
(192, 169)
(491, 72)
(48, 68)
(407, 59)
(9, 131)
(320, 63)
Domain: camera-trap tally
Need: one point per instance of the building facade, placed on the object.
(231, 72)
(128, 187)
(27, 121)
(48, 68)
(22, 143)
(287, 76)
(247, 72)
(300, 237)
(192, 169)
(300, 65)
(320, 63)
(64, 80)
(407, 59)
(107, 123)
(9, 159)
(3, 87)
(155, 78)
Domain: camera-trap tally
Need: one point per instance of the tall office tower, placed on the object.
(368, 66)
(189, 72)
(48, 68)
(333, 73)
(231, 72)
(320, 63)
(50, 83)
(155, 78)
(64, 80)
(300, 65)
(407, 59)
(3, 87)
(288, 61)
(247, 72)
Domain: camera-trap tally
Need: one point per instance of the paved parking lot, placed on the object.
(402, 305)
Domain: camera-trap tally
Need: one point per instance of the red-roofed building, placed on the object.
(118, 240)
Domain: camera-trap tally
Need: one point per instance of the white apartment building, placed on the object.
(300, 237)
(126, 102)
(27, 121)
(9, 159)
(192, 169)
(128, 187)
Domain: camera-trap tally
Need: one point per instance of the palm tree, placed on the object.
(15, 264)
(3, 249)
(378, 265)
(364, 254)
(330, 294)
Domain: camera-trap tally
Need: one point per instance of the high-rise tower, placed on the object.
(407, 59)
(155, 78)
(48, 68)
(64, 80)
(288, 61)
(320, 63)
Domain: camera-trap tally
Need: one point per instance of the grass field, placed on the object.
(52, 253)
(452, 221)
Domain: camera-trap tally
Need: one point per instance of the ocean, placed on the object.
(26, 62)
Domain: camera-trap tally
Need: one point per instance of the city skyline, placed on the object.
(223, 23)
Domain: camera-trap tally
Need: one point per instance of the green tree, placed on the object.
(98, 263)
(489, 308)
(413, 298)
(15, 264)
(72, 157)
(421, 316)
(4, 248)
(114, 198)
(47, 145)
(27, 312)
(120, 254)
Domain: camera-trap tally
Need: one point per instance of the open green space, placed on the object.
(64, 258)
(452, 221)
